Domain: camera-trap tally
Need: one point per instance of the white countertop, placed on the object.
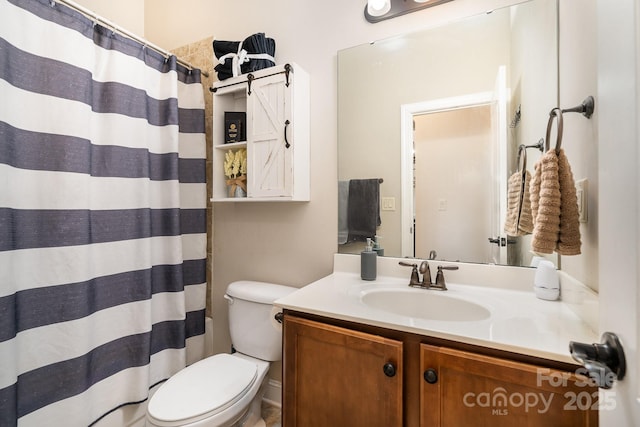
(518, 321)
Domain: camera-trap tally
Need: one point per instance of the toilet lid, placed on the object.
(208, 386)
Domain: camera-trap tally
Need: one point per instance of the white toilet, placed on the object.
(227, 389)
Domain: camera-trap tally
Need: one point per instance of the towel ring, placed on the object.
(539, 145)
(522, 155)
(556, 112)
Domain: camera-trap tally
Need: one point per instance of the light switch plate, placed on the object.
(388, 203)
(582, 193)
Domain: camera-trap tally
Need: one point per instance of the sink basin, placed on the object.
(430, 305)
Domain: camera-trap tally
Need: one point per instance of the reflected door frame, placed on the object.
(407, 113)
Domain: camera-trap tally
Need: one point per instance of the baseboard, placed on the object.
(273, 393)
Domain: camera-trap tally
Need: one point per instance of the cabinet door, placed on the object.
(269, 116)
(338, 377)
(467, 389)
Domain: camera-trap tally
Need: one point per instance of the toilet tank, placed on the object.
(253, 329)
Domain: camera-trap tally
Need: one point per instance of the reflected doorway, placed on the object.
(454, 184)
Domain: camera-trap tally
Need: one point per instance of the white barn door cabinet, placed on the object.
(276, 103)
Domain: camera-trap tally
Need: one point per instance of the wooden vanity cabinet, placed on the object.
(335, 374)
(338, 377)
(460, 388)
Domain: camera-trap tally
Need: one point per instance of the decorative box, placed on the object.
(235, 126)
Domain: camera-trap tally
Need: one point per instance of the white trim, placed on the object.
(617, 112)
(273, 393)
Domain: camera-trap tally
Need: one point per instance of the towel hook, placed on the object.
(539, 145)
(586, 108)
(556, 112)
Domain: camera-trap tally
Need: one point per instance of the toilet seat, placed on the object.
(202, 390)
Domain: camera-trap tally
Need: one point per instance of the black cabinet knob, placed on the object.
(389, 369)
(431, 376)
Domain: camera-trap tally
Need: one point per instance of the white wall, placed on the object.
(171, 24)
(579, 78)
(533, 51)
(128, 14)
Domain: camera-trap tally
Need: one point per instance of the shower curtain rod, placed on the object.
(91, 15)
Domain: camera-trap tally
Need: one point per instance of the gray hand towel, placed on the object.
(343, 212)
(364, 208)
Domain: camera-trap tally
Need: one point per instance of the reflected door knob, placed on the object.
(500, 241)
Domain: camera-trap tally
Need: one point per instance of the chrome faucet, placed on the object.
(424, 269)
(415, 277)
(415, 274)
(440, 283)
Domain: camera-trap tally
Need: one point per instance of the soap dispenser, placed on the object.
(376, 246)
(546, 283)
(368, 262)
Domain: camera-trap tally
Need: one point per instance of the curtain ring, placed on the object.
(556, 112)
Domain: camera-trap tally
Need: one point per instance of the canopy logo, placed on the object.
(500, 401)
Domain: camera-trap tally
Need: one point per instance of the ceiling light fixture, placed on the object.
(378, 7)
(379, 10)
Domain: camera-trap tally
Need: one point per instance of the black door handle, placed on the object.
(500, 241)
(604, 362)
(286, 141)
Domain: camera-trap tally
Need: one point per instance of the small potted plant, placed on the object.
(235, 169)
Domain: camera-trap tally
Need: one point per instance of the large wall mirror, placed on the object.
(437, 116)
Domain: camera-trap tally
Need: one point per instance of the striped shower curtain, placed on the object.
(102, 217)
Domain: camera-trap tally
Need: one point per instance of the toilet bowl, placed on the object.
(226, 390)
(216, 391)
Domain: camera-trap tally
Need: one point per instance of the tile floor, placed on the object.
(271, 415)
